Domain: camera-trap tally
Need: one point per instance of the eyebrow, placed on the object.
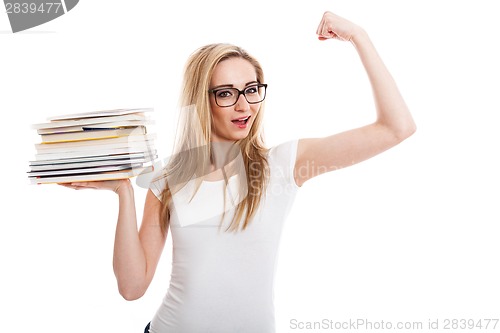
(232, 85)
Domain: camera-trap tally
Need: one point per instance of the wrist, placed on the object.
(124, 187)
(358, 36)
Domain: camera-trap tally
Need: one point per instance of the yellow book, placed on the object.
(94, 134)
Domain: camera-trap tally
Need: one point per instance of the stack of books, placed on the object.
(92, 146)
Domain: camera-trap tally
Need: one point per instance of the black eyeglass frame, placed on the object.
(240, 92)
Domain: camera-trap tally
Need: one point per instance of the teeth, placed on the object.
(242, 119)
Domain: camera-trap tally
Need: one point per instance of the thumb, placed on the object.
(329, 35)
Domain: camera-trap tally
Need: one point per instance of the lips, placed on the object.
(241, 120)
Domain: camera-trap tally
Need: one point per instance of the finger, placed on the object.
(320, 26)
(324, 29)
(328, 31)
(82, 185)
(98, 185)
(68, 186)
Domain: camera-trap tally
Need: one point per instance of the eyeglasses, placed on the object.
(225, 97)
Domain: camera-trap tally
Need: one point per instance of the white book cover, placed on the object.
(102, 113)
(89, 121)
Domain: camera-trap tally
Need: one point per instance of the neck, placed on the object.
(223, 152)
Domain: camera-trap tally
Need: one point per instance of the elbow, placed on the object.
(398, 128)
(131, 293)
(403, 129)
(406, 131)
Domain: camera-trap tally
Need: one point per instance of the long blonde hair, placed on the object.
(193, 154)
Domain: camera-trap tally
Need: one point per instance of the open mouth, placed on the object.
(241, 121)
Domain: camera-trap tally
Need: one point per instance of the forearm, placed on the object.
(392, 110)
(129, 261)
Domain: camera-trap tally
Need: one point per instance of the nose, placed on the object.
(241, 104)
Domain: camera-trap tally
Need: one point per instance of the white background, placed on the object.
(410, 235)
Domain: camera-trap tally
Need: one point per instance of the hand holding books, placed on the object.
(113, 185)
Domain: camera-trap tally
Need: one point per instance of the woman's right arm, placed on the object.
(136, 252)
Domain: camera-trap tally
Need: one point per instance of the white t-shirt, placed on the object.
(222, 282)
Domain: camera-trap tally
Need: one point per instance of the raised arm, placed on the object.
(136, 252)
(393, 124)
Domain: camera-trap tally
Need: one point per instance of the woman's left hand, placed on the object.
(334, 26)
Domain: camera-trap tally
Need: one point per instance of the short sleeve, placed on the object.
(153, 180)
(282, 161)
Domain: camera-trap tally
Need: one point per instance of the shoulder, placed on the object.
(284, 152)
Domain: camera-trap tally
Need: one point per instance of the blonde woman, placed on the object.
(224, 195)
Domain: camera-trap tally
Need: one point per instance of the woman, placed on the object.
(225, 206)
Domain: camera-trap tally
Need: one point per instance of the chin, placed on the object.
(241, 136)
(236, 137)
